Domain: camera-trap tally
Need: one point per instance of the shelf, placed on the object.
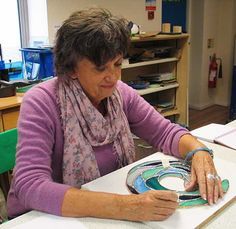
(170, 112)
(177, 62)
(150, 62)
(160, 37)
(153, 90)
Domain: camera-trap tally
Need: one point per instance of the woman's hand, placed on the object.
(204, 175)
(151, 205)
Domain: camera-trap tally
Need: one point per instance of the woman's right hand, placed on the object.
(151, 206)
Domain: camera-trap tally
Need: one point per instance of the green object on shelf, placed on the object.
(24, 89)
(155, 85)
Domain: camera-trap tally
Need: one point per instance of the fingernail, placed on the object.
(204, 197)
(186, 184)
(210, 202)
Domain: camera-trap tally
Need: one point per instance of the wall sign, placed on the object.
(150, 6)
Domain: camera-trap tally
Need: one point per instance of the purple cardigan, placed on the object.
(37, 182)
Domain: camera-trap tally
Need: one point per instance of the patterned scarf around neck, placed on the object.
(85, 127)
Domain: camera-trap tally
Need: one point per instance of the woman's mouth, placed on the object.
(108, 86)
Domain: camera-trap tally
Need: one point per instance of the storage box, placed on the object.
(11, 71)
(7, 91)
(38, 63)
(2, 64)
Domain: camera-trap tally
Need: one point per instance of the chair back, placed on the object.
(8, 141)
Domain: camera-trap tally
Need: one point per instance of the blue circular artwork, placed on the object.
(148, 175)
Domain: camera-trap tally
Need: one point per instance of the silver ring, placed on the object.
(217, 177)
(211, 176)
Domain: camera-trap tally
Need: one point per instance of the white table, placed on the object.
(225, 219)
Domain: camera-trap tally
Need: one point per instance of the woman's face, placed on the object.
(98, 82)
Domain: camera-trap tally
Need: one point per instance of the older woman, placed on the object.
(77, 127)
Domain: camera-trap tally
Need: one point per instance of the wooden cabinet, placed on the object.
(174, 62)
(9, 112)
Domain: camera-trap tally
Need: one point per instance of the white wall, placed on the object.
(196, 49)
(225, 49)
(210, 27)
(211, 19)
(133, 10)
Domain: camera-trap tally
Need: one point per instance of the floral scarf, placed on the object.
(85, 127)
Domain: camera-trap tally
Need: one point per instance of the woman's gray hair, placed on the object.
(94, 34)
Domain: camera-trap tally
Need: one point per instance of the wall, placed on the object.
(211, 25)
(226, 49)
(132, 10)
(196, 40)
(211, 19)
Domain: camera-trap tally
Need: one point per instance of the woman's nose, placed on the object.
(112, 74)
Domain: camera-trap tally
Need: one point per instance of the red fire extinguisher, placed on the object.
(213, 69)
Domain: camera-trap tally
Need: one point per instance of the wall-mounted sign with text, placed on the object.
(150, 5)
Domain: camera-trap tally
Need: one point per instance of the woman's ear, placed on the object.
(74, 75)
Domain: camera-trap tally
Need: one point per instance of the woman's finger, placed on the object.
(164, 211)
(216, 190)
(166, 204)
(202, 183)
(218, 180)
(210, 178)
(166, 195)
(220, 189)
(192, 183)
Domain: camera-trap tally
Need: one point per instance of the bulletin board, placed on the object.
(232, 112)
(175, 12)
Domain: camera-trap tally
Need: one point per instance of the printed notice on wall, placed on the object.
(150, 5)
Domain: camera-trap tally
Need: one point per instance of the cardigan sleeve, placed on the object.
(34, 186)
(149, 124)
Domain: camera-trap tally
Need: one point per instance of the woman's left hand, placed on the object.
(204, 174)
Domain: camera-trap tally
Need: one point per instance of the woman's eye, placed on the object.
(100, 68)
(118, 64)
(103, 68)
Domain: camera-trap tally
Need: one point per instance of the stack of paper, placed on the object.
(218, 133)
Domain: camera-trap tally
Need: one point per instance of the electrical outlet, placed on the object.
(210, 43)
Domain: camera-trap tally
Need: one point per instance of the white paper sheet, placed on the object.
(228, 139)
(218, 133)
